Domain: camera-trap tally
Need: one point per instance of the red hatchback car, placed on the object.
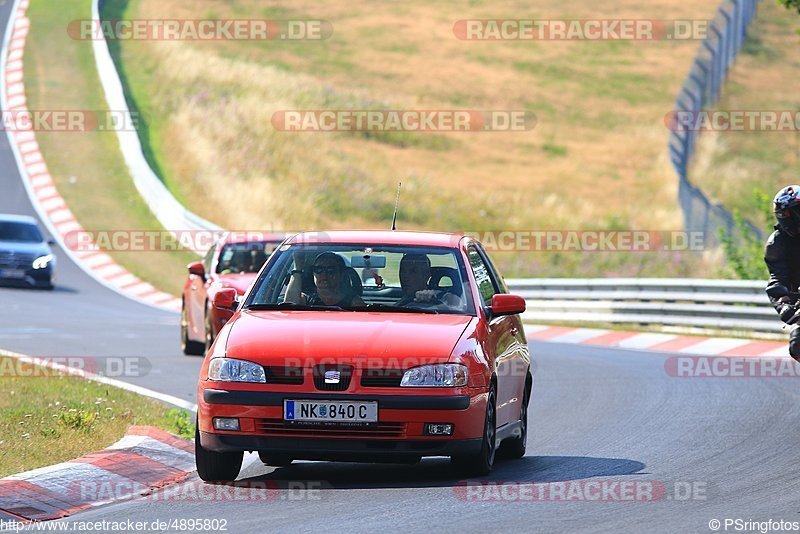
(233, 263)
(367, 346)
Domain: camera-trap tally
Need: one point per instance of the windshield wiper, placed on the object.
(377, 307)
(292, 306)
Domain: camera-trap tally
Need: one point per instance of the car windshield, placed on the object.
(245, 257)
(359, 278)
(20, 231)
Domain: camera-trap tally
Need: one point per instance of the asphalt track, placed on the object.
(596, 415)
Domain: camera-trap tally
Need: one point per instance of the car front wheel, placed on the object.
(481, 464)
(216, 466)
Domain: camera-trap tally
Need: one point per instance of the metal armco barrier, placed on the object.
(740, 305)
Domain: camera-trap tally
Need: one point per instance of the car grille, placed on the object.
(15, 260)
(345, 374)
(381, 378)
(292, 376)
(278, 426)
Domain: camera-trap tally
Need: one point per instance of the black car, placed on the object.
(25, 255)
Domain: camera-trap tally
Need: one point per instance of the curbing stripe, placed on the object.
(53, 211)
(656, 342)
(63, 489)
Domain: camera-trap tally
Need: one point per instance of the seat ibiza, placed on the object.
(378, 346)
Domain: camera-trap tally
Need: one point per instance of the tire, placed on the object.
(514, 448)
(216, 466)
(189, 347)
(481, 464)
(275, 460)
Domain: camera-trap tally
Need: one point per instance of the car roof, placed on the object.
(7, 217)
(384, 237)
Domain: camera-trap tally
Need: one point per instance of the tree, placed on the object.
(791, 4)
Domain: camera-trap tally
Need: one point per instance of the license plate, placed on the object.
(330, 411)
(12, 273)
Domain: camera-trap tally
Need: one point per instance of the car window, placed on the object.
(246, 257)
(20, 232)
(486, 286)
(416, 279)
(500, 284)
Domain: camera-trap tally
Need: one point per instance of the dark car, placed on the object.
(25, 254)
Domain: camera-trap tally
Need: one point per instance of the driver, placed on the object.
(415, 272)
(330, 288)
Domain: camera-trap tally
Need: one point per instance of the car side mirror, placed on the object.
(51, 242)
(504, 304)
(226, 299)
(196, 268)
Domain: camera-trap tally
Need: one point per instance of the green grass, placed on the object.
(87, 167)
(47, 418)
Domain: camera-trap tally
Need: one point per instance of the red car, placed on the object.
(367, 346)
(231, 263)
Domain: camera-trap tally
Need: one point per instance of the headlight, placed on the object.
(439, 375)
(230, 370)
(42, 261)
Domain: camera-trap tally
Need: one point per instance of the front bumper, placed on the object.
(398, 435)
(33, 277)
(342, 450)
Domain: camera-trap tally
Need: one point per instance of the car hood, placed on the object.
(397, 340)
(38, 249)
(240, 281)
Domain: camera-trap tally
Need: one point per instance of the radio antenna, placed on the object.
(396, 202)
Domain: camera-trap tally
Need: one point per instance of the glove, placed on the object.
(788, 313)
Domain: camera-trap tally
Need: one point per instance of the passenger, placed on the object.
(331, 286)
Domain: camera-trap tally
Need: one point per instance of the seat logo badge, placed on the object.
(332, 377)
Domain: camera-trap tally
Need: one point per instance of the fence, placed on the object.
(733, 305)
(701, 89)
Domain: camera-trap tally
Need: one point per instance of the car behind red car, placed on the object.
(233, 263)
(367, 346)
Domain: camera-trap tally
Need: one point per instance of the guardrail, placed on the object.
(717, 53)
(736, 305)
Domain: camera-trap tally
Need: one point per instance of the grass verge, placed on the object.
(47, 418)
(88, 167)
(596, 158)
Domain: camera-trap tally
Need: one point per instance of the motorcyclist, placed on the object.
(782, 255)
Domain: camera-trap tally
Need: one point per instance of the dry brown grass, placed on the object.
(596, 159)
